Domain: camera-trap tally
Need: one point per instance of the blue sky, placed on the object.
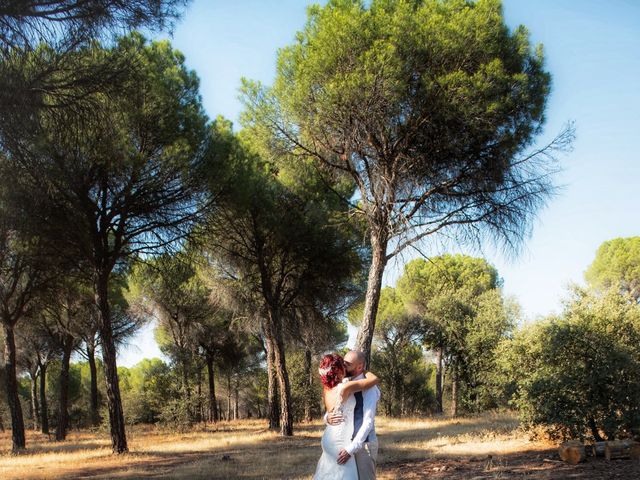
(592, 49)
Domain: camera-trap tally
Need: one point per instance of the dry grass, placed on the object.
(245, 449)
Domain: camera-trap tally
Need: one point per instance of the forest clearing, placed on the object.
(484, 447)
(225, 224)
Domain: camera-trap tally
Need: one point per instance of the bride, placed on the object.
(338, 396)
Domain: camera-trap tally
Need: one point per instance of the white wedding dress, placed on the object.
(334, 439)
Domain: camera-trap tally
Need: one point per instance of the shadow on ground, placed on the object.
(535, 465)
(403, 455)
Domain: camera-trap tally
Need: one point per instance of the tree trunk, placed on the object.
(186, 389)
(228, 395)
(63, 404)
(44, 420)
(454, 392)
(11, 384)
(308, 394)
(372, 299)
(396, 380)
(439, 355)
(213, 410)
(236, 407)
(35, 408)
(114, 402)
(275, 330)
(594, 430)
(93, 371)
(273, 394)
(199, 380)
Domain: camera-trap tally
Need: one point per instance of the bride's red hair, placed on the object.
(331, 370)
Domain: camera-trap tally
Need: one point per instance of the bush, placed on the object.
(579, 375)
(405, 379)
(146, 390)
(302, 391)
(177, 414)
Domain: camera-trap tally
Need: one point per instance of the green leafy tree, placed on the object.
(578, 375)
(313, 330)
(29, 83)
(256, 392)
(149, 386)
(123, 180)
(25, 273)
(193, 329)
(126, 322)
(429, 107)
(170, 290)
(238, 360)
(305, 389)
(224, 338)
(39, 42)
(397, 356)
(28, 363)
(617, 263)
(68, 303)
(70, 396)
(73, 22)
(317, 325)
(413, 383)
(464, 316)
(86, 411)
(213, 334)
(276, 237)
(494, 319)
(36, 351)
(247, 308)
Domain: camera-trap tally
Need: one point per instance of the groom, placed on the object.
(364, 444)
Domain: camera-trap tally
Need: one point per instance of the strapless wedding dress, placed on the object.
(334, 439)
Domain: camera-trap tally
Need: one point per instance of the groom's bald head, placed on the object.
(354, 362)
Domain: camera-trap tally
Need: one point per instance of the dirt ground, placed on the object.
(486, 447)
(535, 465)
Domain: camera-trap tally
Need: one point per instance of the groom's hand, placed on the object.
(334, 418)
(343, 457)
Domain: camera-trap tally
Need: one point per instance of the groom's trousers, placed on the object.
(366, 460)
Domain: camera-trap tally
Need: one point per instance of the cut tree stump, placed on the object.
(572, 452)
(621, 449)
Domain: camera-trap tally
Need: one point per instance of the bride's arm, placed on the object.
(369, 381)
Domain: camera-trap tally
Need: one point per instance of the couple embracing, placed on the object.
(349, 443)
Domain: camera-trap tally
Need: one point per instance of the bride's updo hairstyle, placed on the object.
(331, 370)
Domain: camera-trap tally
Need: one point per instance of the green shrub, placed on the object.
(405, 379)
(579, 375)
(178, 414)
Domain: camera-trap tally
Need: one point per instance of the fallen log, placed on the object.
(572, 452)
(622, 449)
(634, 453)
(597, 449)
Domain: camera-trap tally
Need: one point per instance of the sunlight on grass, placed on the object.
(246, 449)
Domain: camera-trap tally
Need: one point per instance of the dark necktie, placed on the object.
(358, 415)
